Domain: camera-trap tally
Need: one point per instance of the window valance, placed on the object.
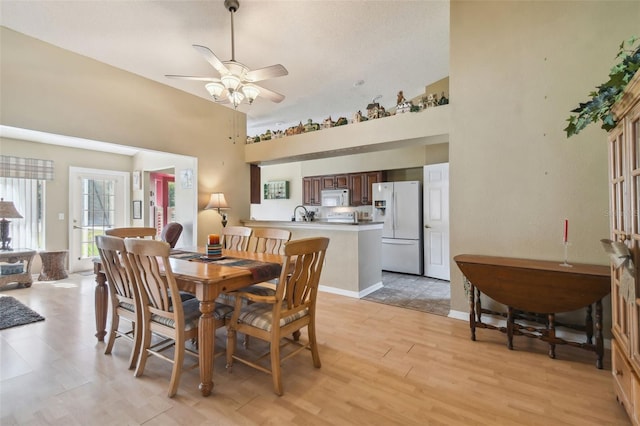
(25, 168)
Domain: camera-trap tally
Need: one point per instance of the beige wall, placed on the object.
(52, 90)
(516, 70)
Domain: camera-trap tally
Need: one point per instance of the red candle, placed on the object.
(565, 238)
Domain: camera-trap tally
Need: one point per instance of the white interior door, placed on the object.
(436, 221)
(98, 200)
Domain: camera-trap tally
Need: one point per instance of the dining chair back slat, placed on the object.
(269, 240)
(236, 238)
(125, 300)
(132, 232)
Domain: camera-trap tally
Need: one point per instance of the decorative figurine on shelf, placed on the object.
(256, 139)
(358, 117)
(401, 98)
(431, 100)
(443, 100)
(277, 134)
(414, 108)
(249, 139)
(341, 122)
(403, 107)
(311, 126)
(290, 131)
(327, 123)
(423, 103)
(373, 110)
(266, 136)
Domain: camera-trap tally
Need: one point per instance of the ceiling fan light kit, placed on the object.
(236, 80)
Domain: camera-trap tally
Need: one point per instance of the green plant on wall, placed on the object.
(598, 108)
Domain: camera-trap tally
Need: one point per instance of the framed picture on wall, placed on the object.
(137, 209)
(186, 177)
(137, 180)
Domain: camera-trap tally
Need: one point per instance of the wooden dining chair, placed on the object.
(177, 323)
(269, 240)
(125, 301)
(171, 233)
(235, 238)
(293, 307)
(132, 232)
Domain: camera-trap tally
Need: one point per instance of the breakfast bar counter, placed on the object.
(353, 261)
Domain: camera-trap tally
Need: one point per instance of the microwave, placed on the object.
(334, 197)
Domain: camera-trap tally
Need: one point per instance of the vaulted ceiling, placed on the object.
(340, 54)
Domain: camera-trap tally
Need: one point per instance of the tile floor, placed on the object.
(413, 292)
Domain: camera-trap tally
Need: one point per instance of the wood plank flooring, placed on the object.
(381, 365)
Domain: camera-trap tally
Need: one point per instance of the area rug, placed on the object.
(14, 313)
(413, 292)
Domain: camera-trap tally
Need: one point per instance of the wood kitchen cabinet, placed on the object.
(335, 182)
(360, 185)
(311, 187)
(624, 192)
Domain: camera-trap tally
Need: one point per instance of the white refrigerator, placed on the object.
(399, 206)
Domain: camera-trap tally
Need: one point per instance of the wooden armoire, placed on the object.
(624, 193)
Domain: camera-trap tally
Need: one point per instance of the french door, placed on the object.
(98, 200)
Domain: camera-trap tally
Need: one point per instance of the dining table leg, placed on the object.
(206, 345)
(101, 297)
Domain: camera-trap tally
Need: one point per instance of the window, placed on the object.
(28, 197)
(22, 182)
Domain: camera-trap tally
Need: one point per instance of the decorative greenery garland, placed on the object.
(599, 107)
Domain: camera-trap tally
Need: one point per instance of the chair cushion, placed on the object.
(127, 306)
(191, 310)
(259, 290)
(259, 315)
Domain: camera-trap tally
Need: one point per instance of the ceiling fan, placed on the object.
(236, 80)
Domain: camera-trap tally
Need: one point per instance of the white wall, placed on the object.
(517, 69)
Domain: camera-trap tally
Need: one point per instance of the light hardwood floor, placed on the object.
(381, 365)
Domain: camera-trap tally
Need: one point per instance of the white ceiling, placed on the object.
(327, 46)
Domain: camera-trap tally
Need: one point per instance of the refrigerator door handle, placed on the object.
(399, 242)
(395, 209)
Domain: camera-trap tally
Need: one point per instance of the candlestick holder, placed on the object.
(566, 264)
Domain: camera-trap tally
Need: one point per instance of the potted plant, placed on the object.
(599, 106)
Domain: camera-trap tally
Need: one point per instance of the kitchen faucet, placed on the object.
(306, 213)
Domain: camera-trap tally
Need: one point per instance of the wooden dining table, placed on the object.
(206, 280)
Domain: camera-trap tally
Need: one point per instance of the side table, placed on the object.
(53, 265)
(15, 266)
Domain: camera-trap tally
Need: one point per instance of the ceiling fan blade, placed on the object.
(211, 58)
(266, 73)
(190, 77)
(270, 94)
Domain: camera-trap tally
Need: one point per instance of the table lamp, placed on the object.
(7, 210)
(218, 202)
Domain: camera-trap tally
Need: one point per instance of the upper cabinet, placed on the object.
(311, 187)
(358, 184)
(335, 182)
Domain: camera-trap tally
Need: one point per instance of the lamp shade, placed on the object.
(251, 92)
(230, 81)
(215, 89)
(8, 210)
(217, 201)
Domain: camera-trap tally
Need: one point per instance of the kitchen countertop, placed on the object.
(317, 224)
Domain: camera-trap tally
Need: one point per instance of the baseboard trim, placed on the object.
(349, 293)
